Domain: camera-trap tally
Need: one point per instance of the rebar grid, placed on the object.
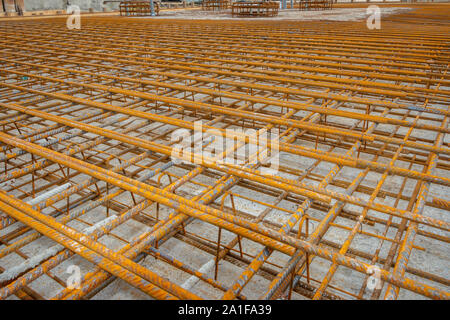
(88, 180)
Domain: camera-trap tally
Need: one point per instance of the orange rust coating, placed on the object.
(360, 112)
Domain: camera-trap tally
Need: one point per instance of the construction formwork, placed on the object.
(314, 5)
(216, 5)
(255, 9)
(92, 175)
(138, 8)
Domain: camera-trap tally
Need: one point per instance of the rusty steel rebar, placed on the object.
(90, 129)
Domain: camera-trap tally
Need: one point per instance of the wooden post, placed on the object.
(20, 7)
(10, 6)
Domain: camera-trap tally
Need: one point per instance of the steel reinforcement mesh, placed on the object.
(356, 207)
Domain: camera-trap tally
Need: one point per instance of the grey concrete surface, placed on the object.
(85, 5)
